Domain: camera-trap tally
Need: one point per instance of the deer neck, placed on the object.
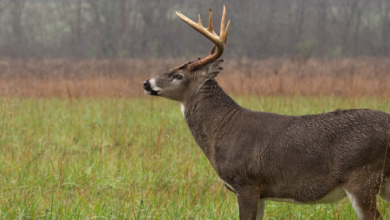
(207, 110)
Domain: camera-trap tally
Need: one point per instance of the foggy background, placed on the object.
(107, 48)
(100, 29)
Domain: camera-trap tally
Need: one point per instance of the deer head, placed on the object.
(181, 81)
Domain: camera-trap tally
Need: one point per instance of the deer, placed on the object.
(262, 156)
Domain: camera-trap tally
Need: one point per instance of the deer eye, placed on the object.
(178, 77)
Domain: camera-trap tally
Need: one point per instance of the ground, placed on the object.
(130, 158)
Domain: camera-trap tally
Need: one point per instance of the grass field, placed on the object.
(129, 159)
(347, 77)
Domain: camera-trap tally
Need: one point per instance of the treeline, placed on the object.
(150, 28)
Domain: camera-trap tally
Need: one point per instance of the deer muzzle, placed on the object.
(148, 87)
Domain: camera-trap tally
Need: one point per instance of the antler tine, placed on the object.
(211, 28)
(224, 32)
(221, 33)
(199, 21)
(198, 27)
(208, 32)
(227, 31)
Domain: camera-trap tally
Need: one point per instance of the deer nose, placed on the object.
(146, 85)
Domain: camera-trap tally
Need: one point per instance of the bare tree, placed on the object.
(347, 17)
(131, 28)
(16, 9)
(385, 25)
(300, 19)
(104, 20)
(322, 16)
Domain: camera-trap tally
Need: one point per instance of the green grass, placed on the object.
(129, 159)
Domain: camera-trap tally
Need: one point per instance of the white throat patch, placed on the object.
(182, 109)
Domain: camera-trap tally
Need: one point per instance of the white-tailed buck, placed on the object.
(260, 156)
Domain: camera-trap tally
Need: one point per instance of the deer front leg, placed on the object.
(248, 200)
(364, 206)
(260, 209)
(362, 191)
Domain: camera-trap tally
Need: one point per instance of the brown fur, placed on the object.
(263, 155)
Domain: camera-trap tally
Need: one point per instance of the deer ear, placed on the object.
(213, 69)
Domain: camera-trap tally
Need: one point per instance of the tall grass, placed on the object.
(129, 158)
(358, 77)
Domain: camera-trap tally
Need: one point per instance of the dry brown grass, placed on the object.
(356, 77)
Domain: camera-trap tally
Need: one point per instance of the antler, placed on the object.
(219, 41)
